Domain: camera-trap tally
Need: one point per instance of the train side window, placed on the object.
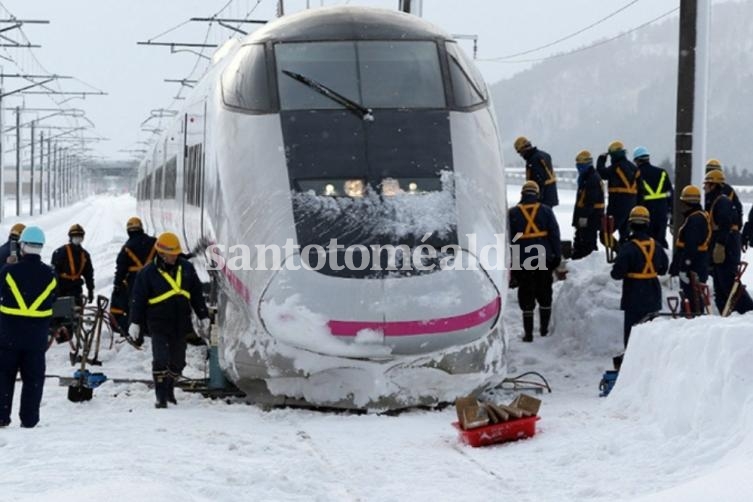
(171, 171)
(244, 82)
(158, 183)
(193, 175)
(148, 187)
(468, 86)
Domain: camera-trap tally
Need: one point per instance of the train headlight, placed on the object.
(412, 187)
(354, 188)
(329, 189)
(390, 187)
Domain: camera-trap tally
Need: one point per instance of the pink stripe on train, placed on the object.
(426, 327)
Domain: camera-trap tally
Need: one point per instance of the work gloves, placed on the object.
(718, 254)
(582, 222)
(684, 277)
(134, 330)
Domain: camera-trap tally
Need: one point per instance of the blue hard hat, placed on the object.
(639, 152)
(32, 235)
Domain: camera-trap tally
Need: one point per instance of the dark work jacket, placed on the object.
(655, 190)
(539, 169)
(70, 282)
(623, 193)
(545, 226)
(691, 251)
(722, 216)
(170, 317)
(5, 251)
(589, 200)
(142, 246)
(736, 204)
(32, 278)
(639, 294)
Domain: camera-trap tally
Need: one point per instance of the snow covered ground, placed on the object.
(676, 427)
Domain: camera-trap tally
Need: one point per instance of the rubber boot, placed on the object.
(545, 313)
(528, 326)
(170, 389)
(160, 389)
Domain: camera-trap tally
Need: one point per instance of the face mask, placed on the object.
(77, 240)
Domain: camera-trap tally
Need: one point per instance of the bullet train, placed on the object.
(328, 136)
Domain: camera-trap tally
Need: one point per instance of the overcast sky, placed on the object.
(95, 41)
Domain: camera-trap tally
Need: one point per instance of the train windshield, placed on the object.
(373, 74)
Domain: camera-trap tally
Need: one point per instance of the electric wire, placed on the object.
(566, 37)
(587, 47)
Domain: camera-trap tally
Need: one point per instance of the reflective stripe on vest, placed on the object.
(680, 244)
(137, 265)
(22, 309)
(174, 285)
(659, 193)
(529, 212)
(733, 227)
(582, 201)
(550, 177)
(73, 275)
(627, 187)
(646, 247)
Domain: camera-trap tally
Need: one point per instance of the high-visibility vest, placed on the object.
(627, 187)
(33, 309)
(647, 248)
(680, 244)
(659, 193)
(137, 265)
(532, 231)
(582, 200)
(175, 288)
(74, 274)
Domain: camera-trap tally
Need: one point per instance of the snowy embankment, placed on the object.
(676, 427)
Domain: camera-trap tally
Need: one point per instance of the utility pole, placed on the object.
(18, 161)
(49, 163)
(31, 172)
(41, 172)
(2, 163)
(54, 187)
(692, 84)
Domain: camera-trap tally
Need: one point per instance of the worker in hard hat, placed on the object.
(73, 265)
(165, 292)
(538, 169)
(622, 185)
(9, 252)
(639, 264)
(27, 292)
(589, 206)
(655, 194)
(133, 256)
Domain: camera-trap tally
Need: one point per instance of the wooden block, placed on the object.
(464, 402)
(527, 403)
(474, 417)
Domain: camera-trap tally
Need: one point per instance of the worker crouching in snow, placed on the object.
(638, 264)
(27, 291)
(532, 226)
(165, 292)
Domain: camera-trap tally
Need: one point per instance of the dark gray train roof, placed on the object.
(347, 23)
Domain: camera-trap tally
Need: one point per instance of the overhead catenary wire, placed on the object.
(566, 37)
(584, 48)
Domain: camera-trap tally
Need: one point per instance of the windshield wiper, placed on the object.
(358, 109)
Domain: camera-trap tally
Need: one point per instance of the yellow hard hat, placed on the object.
(639, 214)
(615, 146)
(17, 229)
(530, 186)
(714, 176)
(134, 223)
(584, 157)
(168, 243)
(713, 164)
(521, 144)
(76, 230)
(691, 194)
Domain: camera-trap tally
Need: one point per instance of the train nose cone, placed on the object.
(376, 318)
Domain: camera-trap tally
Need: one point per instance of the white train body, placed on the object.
(260, 158)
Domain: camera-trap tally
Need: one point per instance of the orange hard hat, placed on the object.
(168, 243)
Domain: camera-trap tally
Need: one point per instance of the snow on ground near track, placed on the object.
(676, 426)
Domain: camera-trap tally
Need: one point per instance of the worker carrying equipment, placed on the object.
(73, 265)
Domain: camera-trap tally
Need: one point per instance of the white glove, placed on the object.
(134, 330)
(204, 327)
(582, 222)
(684, 278)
